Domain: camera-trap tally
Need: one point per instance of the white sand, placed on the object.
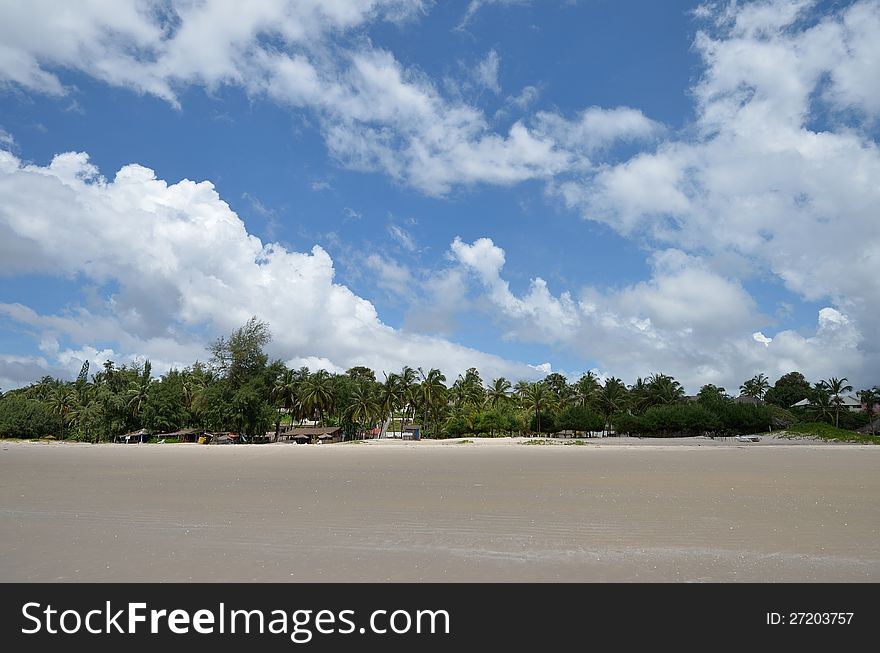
(489, 510)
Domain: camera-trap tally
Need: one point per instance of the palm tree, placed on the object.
(756, 387)
(499, 392)
(586, 389)
(62, 401)
(665, 390)
(139, 391)
(364, 406)
(837, 387)
(612, 399)
(285, 393)
(432, 393)
(537, 397)
(317, 393)
(821, 407)
(408, 383)
(870, 398)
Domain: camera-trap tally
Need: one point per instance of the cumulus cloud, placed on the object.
(596, 128)
(755, 179)
(375, 114)
(686, 320)
(176, 264)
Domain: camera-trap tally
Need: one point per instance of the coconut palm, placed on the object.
(139, 391)
(837, 387)
(821, 406)
(756, 387)
(62, 401)
(499, 392)
(537, 398)
(364, 406)
(432, 393)
(586, 389)
(664, 390)
(285, 394)
(870, 398)
(612, 399)
(317, 393)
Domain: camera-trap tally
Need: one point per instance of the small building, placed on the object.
(309, 434)
(851, 403)
(748, 399)
(184, 435)
(135, 437)
(412, 432)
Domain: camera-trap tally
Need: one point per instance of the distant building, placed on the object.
(412, 432)
(851, 403)
(747, 399)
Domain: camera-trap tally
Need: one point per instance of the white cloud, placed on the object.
(753, 180)
(391, 276)
(402, 237)
(485, 73)
(7, 140)
(596, 128)
(686, 320)
(184, 266)
(475, 5)
(374, 113)
(525, 98)
(321, 185)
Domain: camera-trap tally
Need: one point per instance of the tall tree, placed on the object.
(499, 392)
(755, 387)
(62, 401)
(538, 397)
(285, 393)
(317, 393)
(612, 399)
(871, 398)
(587, 389)
(240, 356)
(788, 390)
(836, 387)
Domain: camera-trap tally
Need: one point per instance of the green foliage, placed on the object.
(691, 419)
(828, 432)
(788, 390)
(21, 417)
(579, 418)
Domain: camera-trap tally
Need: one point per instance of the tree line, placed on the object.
(238, 389)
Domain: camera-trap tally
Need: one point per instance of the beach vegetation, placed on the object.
(239, 389)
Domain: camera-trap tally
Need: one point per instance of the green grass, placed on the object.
(539, 442)
(829, 433)
(577, 442)
(464, 442)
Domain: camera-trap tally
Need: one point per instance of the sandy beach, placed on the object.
(615, 510)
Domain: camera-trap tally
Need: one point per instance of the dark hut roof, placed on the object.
(314, 430)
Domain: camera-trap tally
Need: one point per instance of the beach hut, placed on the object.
(135, 437)
(184, 435)
(319, 434)
(412, 432)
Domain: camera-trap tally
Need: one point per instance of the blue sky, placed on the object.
(628, 187)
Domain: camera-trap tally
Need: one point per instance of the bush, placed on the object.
(27, 418)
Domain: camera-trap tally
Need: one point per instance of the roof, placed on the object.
(315, 430)
(746, 399)
(845, 400)
(184, 432)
